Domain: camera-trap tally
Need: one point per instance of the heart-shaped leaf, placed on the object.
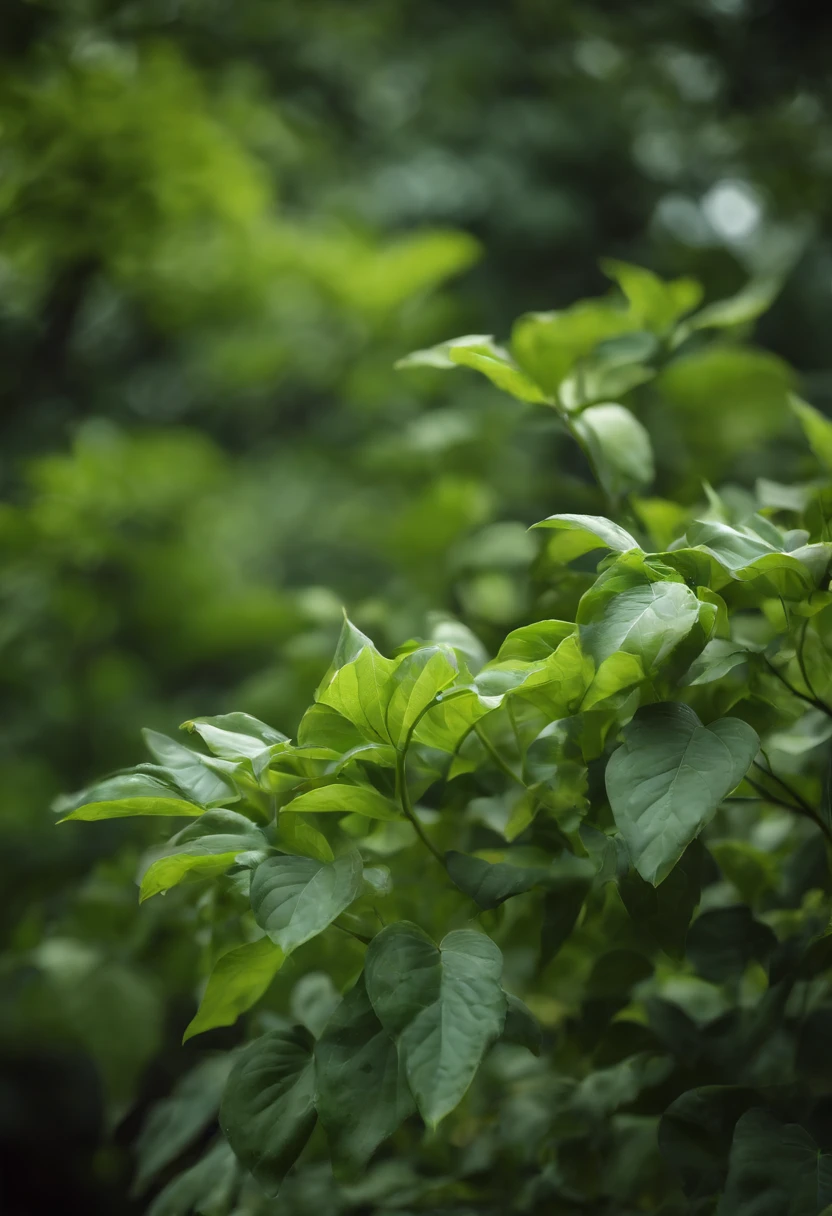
(668, 778)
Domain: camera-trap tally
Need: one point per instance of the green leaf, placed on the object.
(654, 304)
(239, 978)
(585, 533)
(817, 428)
(359, 690)
(417, 679)
(446, 723)
(618, 673)
(720, 656)
(498, 365)
(208, 1186)
(521, 1026)
(193, 772)
(549, 345)
(695, 1134)
(532, 643)
(207, 846)
(296, 898)
(619, 447)
(177, 1121)
(562, 904)
(363, 1095)
(749, 303)
(647, 621)
(491, 883)
(255, 742)
(268, 1108)
(668, 778)
(344, 800)
(125, 795)
(664, 912)
(723, 941)
(443, 1005)
(774, 1168)
(298, 836)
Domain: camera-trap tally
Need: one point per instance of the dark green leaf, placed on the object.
(491, 883)
(363, 1094)
(268, 1108)
(443, 1005)
(669, 776)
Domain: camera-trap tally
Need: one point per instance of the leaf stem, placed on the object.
(403, 795)
(798, 807)
(821, 705)
(501, 763)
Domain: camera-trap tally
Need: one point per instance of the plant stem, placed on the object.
(797, 808)
(821, 705)
(403, 795)
(501, 763)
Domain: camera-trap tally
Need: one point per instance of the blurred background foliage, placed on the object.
(220, 225)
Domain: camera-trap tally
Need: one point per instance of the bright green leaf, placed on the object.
(238, 980)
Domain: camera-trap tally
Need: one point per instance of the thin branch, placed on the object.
(821, 705)
(499, 760)
(403, 795)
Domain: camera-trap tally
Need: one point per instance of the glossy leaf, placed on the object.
(647, 622)
(417, 679)
(126, 795)
(587, 532)
(619, 447)
(344, 800)
(206, 847)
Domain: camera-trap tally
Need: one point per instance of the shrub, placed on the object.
(604, 847)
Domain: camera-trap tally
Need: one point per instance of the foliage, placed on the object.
(567, 907)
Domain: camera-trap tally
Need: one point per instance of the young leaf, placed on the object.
(298, 836)
(417, 679)
(363, 1095)
(125, 795)
(669, 776)
(344, 800)
(443, 1004)
(296, 898)
(238, 980)
(647, 621)
(654, 304)
(588, 532)
(268, 1108)
(619, 446)
(491, 883)
(359, 691)
(208, 846)
(498, 365)
(532, 643)
(548, 345)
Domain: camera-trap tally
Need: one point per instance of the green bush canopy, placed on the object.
(489, 871)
